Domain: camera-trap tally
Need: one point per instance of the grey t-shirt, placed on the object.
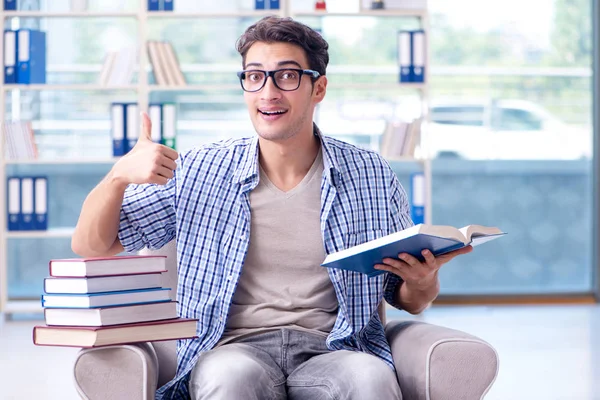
(282, 284)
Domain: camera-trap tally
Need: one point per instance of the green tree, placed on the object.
(572, 34)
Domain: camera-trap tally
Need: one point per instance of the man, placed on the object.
(254, 218)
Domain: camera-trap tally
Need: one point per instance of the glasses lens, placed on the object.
(288, 79)
(253, 80)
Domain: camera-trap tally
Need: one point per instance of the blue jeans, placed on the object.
(290, 364)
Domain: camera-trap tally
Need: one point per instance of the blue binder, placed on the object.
(10, 5)
(40, 210)
(417, 198)
(168, 5)
(10, 57)
(118, 129)
(155, 112)
(132, 125)
(404, 56)
(418, 56)
(13, 202)
(273, 4)
(27, 204)
(31, 56)
(153, 5)
(259, 4)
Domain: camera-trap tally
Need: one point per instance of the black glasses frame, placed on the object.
(242, 75)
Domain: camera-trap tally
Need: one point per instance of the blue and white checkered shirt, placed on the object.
(206, 207)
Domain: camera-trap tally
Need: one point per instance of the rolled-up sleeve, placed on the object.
(148, 215)
(399, 219)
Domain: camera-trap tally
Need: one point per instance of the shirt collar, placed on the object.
(247, 169)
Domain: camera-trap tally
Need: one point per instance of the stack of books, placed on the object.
(96, 302)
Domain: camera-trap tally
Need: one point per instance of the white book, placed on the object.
(107, 266)
(102, 283)
(106, 299)
(111, 315)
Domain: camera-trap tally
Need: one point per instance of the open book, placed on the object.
(439, 239)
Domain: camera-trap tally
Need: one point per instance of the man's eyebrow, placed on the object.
(279, 64)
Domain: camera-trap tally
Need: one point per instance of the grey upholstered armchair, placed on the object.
(433, 363)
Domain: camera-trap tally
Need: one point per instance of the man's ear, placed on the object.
(319, 89)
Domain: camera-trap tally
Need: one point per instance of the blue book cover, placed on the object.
(105, 299)
(10, 5)
(31, 56)
(10, 57)
(118, 128)
(439, 239)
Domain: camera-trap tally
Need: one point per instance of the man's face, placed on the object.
(276, 114)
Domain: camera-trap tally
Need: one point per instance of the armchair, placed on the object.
(432, 362)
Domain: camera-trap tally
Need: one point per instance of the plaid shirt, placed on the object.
(206, 207)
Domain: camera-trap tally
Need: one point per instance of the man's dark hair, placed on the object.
(275, 29)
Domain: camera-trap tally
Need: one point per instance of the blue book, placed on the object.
(118, 128)
(40, 209)
(418, 56)
(404, 50)
(106, 299)
(439, 239)
(31, 56)
(10, 5)
(10, 57)
(13, 202)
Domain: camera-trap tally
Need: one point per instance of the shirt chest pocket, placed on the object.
(356, 238)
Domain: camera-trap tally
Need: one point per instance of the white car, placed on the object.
(502, 129)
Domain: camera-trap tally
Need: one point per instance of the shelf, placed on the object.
(63, 161)
(50, 233)
(23, 306)
(69, 87)
(363, 13)
(230, 14)
(70, 14)
(332, 84)
(405, 159)
(195, 87)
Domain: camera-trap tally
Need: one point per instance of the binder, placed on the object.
(169, 131)
(153, 5)
(40, 211)
(168, 5)
(13, 202)
(27, 201)
(417, 198)
(31, 56)
(259, 4)
(155, 114)
(404, 56)
(418, 56)
(132, 125)
(10, 57)
(10, 5)
(273, 4)
(117, 126)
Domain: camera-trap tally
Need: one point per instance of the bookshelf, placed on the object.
(142, 90)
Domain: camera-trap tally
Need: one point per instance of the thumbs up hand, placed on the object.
(147, 162)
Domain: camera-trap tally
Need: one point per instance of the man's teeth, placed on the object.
(273, 112)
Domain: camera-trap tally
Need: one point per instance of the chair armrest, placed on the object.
(437, 363)
(117, 372)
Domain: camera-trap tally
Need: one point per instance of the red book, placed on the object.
(107, 266)
(84, 336)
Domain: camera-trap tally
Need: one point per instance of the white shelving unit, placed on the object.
(143, 89)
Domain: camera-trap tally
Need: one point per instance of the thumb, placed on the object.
(146, 129)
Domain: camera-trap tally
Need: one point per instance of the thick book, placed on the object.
(102, 283)
(438, 239)
(107, 266)
(105, 299)
(82, 336)
(110, 315)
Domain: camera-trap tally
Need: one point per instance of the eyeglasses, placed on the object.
(287, 79)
